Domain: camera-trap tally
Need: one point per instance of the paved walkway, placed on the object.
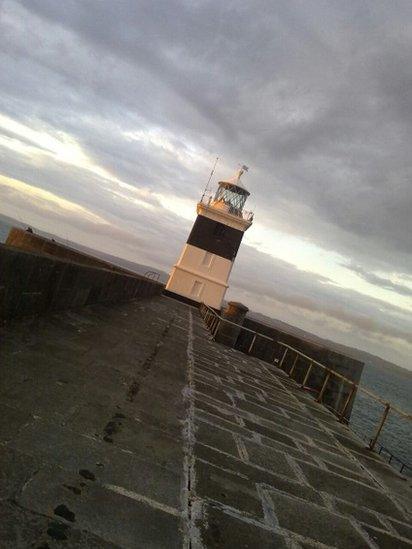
(127, 427)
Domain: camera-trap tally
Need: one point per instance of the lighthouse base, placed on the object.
(196, 287)
(182, 298)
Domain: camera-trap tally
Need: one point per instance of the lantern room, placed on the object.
(231, 195)
(202, 272)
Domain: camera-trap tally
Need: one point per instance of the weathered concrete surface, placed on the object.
(125, 426)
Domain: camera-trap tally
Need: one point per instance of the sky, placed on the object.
(112, 114)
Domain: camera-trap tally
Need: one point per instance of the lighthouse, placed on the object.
(202, 271)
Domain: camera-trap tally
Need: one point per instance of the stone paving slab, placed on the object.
(312, 521)
(101, 508)
(220, 528)
(126, 426)
(20, 529)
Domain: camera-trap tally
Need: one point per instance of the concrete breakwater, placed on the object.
(40, 275)
(125, 425)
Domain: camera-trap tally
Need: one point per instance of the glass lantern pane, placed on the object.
(233, 199)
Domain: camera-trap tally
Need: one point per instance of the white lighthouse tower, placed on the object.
(202, 272)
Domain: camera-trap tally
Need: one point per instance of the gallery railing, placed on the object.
(213, 321)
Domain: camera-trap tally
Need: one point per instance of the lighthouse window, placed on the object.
(219, 230)
(207, 259)
(196, 288)
(233, 196)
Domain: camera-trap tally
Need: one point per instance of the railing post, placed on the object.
(216, 327)
(253, 342)
(274, 352)
(283, 358)
(293, 365)
(320, 396)
(308, 371)
(381, 424)
(347, 402)
(211, 324)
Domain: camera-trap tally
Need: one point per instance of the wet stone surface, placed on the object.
(126, 426)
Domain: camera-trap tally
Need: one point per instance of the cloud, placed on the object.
(120, 108)
(380, 281)
(305, 299)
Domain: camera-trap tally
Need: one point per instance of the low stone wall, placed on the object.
(33, 284)
(336, 391)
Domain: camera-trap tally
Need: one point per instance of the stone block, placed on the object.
(314, 522)
(217, 438)
(219, 529)
(35, 530)
(270, 433)
(350, 490)
(119, 516)
(403, 529)
(362, 515)
(225, 423)
(216, 410)
(384, 540)
(269, 459)
(355, 474)
(229, 489)
(212, 392)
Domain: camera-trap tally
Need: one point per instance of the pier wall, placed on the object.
(33, 283)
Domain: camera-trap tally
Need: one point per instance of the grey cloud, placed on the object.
(380, 281)
(314, 96)
(243, 70)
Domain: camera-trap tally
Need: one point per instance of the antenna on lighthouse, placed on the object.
(210, 177)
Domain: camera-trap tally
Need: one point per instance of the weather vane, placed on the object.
(242, 170)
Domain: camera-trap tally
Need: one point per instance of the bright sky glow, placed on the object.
(48, 199)
(63, 148)
(311, 258)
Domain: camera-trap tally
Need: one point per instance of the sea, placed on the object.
(394, 385)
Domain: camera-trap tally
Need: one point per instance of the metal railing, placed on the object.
(213, 321)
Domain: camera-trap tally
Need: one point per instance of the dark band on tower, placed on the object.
(215, 237)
